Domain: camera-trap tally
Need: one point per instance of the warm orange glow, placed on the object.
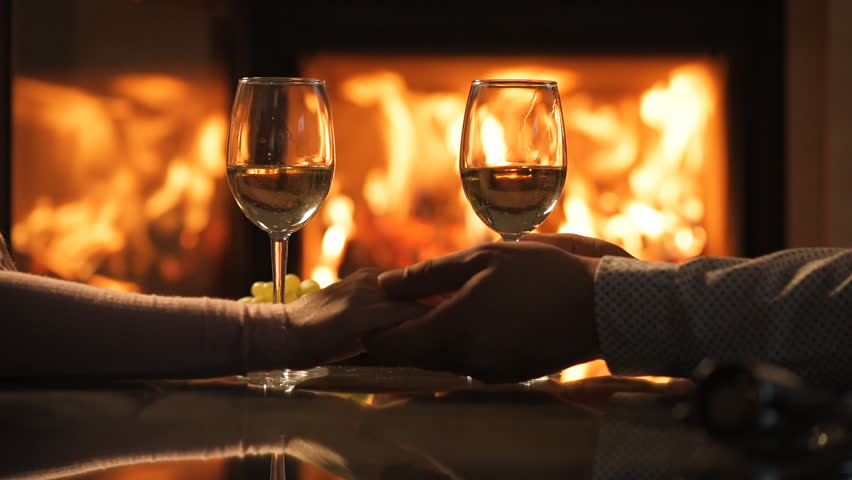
(580, 220)
(656, 219)
(187, 467)
(385, 187)
(639, 150)
(595, 368)
(690, 240)
(598, 368)
(334, 240)
(127, 179)
(338, 214)
(495, 143)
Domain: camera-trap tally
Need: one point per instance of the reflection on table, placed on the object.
(358, 423)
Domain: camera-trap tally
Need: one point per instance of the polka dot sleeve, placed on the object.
(792, 308)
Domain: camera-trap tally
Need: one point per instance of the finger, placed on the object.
(433, 277)
(388, 314)
(411, 342)
(344, 339)
(429, 340)
(364, 274)
(577, 244)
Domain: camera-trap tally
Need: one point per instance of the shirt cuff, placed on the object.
(640, 324)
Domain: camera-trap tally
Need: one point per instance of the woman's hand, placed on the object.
(327, 325)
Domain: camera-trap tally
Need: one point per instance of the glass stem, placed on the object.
(279, 266)
(512, 237)
(278, 469)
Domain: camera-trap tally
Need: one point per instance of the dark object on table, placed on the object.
(767, 410)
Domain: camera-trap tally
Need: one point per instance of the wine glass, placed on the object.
(512, 161)
(280, 168)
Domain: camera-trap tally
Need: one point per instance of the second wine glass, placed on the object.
(513, 155)
(280, 161)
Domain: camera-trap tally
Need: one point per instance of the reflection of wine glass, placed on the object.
(280, 161)
(512, 158)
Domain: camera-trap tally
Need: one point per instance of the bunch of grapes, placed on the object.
(294, 288)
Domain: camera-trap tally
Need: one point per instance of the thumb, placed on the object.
(432, 277)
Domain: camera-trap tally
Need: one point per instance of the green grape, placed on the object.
(292, 284)
(262, 291)
(309, 286)
(292, 288)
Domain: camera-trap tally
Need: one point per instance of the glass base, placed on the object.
(282, 380)
(536, 382)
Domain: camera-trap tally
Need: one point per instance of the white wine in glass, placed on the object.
(280, 199)
(280, 169)
(512, 160)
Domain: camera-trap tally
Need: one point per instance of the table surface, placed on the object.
(371, 423)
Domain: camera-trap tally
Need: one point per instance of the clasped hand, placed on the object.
(499, 312)
(508, 311)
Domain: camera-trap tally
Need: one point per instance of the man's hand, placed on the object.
(327, 325)
(515, 311)
(578, 244)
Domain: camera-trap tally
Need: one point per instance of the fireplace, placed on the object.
(674, 117)
(646, 152)
(398, 77)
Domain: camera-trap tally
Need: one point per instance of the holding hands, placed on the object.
(326, 325)
(511, 311)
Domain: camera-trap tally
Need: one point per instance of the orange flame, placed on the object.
(661, 216)
(128, 178)
(494, 140)
(339, 214)
(637, 160)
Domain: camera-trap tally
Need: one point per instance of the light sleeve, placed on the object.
(51, 327)
(792, 308)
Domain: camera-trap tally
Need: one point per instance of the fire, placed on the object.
(494, 139)
(637, 164)
(385, 189)
(661, 214)
(126, 182)
(408, 186)
(339, 214)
